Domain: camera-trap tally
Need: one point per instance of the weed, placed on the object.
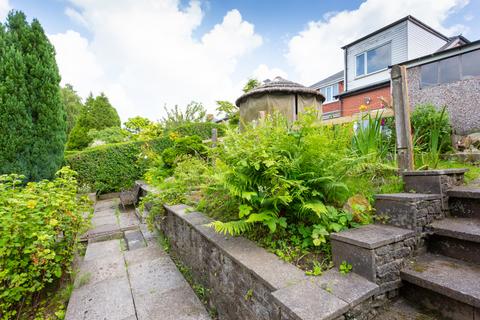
(345, 268)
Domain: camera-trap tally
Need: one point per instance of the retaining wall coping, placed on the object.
(351, 288)
(435, 172)
(307, 301)
(372, 236)
(268, 267)
(407, 196)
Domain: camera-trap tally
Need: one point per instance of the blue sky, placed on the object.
(146, 54)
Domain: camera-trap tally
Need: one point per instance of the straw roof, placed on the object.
(279, 85)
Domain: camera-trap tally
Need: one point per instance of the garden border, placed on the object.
(246, 281)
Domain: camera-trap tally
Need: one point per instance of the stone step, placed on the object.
(440, 282)
(464, 201)
(460, 228)
(457, 238)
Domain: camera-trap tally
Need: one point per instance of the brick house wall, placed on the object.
(350, 105)
(334, 106)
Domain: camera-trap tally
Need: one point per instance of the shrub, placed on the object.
(201, 129)
(190, 145)
(39, 226)
(111, 168)
(282, 175)
(432, 131)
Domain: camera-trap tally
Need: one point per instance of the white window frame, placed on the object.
(365, 66)
(324, 89)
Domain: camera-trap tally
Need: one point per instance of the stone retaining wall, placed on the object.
(247, 282)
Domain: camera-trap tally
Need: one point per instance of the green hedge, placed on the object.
(113, 167)
(201, 129)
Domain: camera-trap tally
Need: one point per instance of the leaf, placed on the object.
(317, 207)
(244, 210)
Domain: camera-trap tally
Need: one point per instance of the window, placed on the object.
(460, 67)
(449, 70)
(471, 64)
(360, 63)
(373, 60)
(429, 74)
(330, 92)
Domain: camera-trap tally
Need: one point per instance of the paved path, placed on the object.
(131, 278)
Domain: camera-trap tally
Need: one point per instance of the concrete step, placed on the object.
(467, 229)
(457, 238)
(464, 201)
(450, 286)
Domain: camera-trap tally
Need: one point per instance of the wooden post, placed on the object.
(214, 137)
(401, 108)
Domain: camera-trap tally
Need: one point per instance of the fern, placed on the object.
(232, 228)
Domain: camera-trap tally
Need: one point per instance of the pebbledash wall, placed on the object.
(462, 99)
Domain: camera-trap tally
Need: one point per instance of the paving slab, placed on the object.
(464, 192)
(460, 228)
(310, 302)
(351, 288)
(159, 289)
(99, 250)
(406, 196)
(96, 270)
(372, 236)
(109, 299)
(134, 239)
(453, 278)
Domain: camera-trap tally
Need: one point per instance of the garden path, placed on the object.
(130, 277)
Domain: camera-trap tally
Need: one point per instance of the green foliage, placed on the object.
(39, 226)
(137, 124)
(201, 129)
(432, 131)
(175, 117)
(72, 104)
(230, 110)
(97, 114)
(345, 268)
(114, 167)
(32, 117)
(190, 175)
(109, 135)
(190, 145)
(369, 138)
(281, 175)
(250, 85)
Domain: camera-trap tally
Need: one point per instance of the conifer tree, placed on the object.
(72, 104)
(32, 118)
(97, 114)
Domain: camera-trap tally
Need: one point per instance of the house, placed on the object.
(450, 78)
(366, 74)
(330, 87)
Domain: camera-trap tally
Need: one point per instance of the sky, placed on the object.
(149, 54)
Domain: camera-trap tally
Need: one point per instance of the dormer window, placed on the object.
(373, 60)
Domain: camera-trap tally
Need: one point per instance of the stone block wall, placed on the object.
(376, 252)
(411, 211)
(434, 182)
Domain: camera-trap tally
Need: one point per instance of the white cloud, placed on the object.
(316, 52)
(76, 16)
(143, 54)
(4, 8)
(264, 72)
(77, 63)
